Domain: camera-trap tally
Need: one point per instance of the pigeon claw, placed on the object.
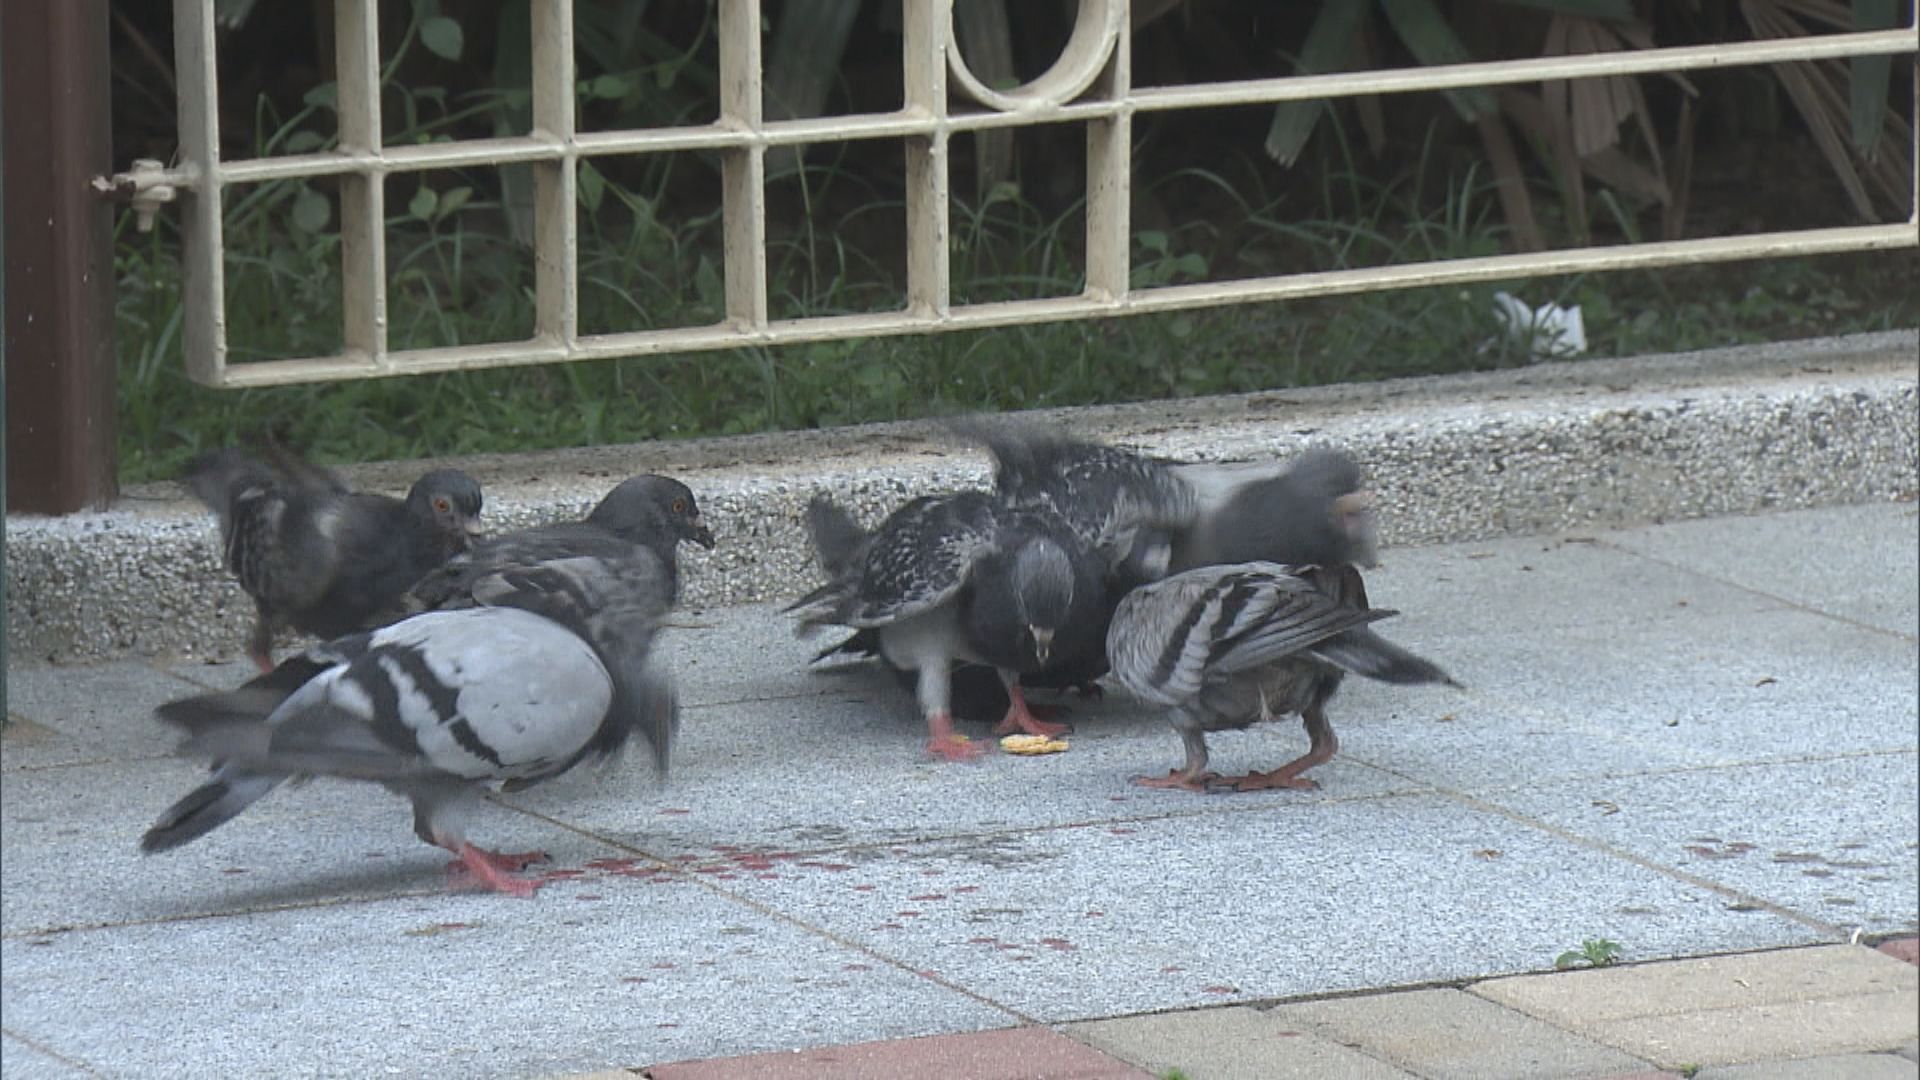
(1090, 690)
(493, 869)
(1178, 779)
(1024, 719)
(944, 743)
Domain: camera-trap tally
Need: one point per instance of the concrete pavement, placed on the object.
(1690, 739)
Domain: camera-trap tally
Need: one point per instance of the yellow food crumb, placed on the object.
(1032, 744)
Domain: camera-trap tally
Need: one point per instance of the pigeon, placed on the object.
(643, 518)
(550, 669)
(1315, 510)
(1223, 647)
(959, 577)
(1122, 504)
(653, 513)
(319, 557)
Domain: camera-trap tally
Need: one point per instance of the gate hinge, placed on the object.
(147, 186)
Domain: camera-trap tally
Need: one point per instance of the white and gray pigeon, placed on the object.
(958, 577)
(549, 671)
(319, 557)
(1224, 647)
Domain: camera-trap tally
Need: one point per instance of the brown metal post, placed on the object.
(58, 240)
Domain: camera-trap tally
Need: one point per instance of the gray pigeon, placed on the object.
(319, 557)
(1223, 647)
(1314, 510)
(950, 578)
(549, 671)
(651, 512)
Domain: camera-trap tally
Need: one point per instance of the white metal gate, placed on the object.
(1091, 83)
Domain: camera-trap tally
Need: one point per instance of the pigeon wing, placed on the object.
(921, 556)
(1168, 639)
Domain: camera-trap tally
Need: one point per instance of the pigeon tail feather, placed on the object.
(1366, 653)
(206, 808)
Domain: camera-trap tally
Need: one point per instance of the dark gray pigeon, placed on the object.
(549, 671)
(949, 578)
(651, 512)
(319, 557)
(1224, 647)
(1315, 510)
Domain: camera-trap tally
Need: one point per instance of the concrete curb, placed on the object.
(1541, 449)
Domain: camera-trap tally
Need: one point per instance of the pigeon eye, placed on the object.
(441, 504)
(679, 506)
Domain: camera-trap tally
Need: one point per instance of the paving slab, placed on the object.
(1861, 562)
(618, 969)
(1765, 1032)
(72, 851)
(1230, 1043)
(1027, 1053)
(1727, 689)
(1112, 918)
(1847, 855)
(1452, 1035)
(1729, 1009)
(1774, 977)
(1545, 584)
(1833, 1067)
(102, 712)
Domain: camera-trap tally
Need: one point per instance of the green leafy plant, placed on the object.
(1592, 953)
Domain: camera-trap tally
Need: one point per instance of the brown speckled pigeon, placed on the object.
(319, 557)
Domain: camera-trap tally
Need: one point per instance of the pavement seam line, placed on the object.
(1796, 605)
(37, 1047)
(1667, 770)
(1604, 848)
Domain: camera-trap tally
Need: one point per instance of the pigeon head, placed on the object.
(1317, 513)
(1344, 525)
(1042, 591)
(649, 508)
(451, 500)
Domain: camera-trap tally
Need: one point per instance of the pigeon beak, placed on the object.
(701, 535)
(1042, 643)
(473, 527)
(1353, 517)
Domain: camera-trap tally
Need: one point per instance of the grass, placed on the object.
(458, 275)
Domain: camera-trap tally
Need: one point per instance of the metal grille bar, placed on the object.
(1092, 85)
